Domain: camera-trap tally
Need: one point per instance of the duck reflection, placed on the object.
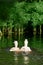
(15, 60)
(26, 60)
(0, 37)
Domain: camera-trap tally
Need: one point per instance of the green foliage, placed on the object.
(22, 13)
(18, 14)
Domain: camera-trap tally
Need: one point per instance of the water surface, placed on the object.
(10, 58)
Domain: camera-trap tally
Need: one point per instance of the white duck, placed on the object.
(25, 48)
(16, 48)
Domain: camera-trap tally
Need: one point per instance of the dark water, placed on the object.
(10, 58)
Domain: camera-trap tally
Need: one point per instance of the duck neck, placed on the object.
(25, 45)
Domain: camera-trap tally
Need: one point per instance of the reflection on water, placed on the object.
(16, 60)
(0, 37)
(26, 60)
(19, 58)
(10, 58)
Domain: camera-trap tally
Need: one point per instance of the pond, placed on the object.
(10, 58)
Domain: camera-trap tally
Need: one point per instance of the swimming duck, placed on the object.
(25, 48)
(16, 48)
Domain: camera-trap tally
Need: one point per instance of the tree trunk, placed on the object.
(22, 30)
(19, 31)
(15, 31)
(3, 30)
(40, 29)
(34, 31)
(39, 0)
(9, 31)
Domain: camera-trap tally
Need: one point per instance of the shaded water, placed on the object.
(10, 58)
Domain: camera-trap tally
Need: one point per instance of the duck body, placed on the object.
(26, 49)
(14, 49)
